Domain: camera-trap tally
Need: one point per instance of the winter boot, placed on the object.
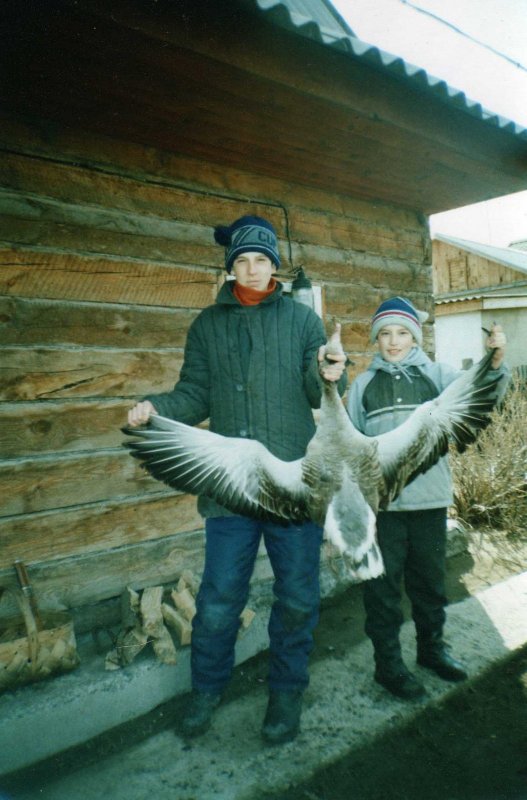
(391, 671)
(398, 680)
(433, 653)
(282, 718)
(198, 713)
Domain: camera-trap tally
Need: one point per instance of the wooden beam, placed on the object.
(120, 157)
(65, 481)
(55, 275)
(50, 426)
(37, 321)
(53, 372)
(83, 580)
(64, 533)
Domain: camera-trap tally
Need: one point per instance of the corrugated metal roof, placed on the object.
(514, 259)
(490, 292)
(318, 20)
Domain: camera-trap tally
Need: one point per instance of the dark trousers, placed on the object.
(230, 553)
(413, 545)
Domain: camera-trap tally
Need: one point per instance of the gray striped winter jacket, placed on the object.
(253, 372)
(392, 401)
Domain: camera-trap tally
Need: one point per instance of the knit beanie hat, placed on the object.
(399, 311)
(247, 234)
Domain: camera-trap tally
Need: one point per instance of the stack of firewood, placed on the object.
(154, 615)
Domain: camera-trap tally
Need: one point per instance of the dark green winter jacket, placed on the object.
(253, 372)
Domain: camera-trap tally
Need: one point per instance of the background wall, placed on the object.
(107, 255)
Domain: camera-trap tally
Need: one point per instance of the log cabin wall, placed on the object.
(107, 256)
(129, 130)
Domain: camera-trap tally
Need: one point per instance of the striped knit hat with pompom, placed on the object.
(399, 311)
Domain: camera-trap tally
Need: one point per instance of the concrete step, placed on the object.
(344, 709)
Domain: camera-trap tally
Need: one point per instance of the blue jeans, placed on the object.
(230, 553)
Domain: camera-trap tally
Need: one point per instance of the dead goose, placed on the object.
(343, 479)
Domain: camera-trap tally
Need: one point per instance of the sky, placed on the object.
(477, 46)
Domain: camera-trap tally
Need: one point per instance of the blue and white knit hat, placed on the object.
(399, 311)
(247, 234)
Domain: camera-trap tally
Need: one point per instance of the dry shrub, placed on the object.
(490, 477)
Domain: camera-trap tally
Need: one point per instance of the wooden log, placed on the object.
(129, 645)
(343, 305)
(70, 239)
(32, 485)
(356, 337)
(146, 163)
(188, 581)
(37, 321)
(154, 238)
(48, 536)
(178, 623)
(185, 603)
(59, 275)
(358, 269)
(53, 426)
(51, 372)
(150, 609)
(128, 195)
(363, 213)
(356, 234)
(84, 582)
(130, 608)
(164, 648)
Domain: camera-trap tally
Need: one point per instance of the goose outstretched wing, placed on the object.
(240, 474)
(457, 415)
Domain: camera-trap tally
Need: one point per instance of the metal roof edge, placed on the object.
(300, 16)
(499, 290)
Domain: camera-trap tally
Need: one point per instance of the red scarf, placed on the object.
(248, 296)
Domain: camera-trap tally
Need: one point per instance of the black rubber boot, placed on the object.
(198, 713)
(282, 718)
(433, 653)
(399, 681)
(391, 671)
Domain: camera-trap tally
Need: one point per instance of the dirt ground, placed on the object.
(471, 746)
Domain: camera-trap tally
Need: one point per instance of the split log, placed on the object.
(151, 616)
(130, 603)
(178, 623)
(164, 647)
(184, 601)
(188, 581)
(129, 645)
(146, 618)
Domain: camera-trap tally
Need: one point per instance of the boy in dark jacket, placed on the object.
(251, 366)
(412, 532)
